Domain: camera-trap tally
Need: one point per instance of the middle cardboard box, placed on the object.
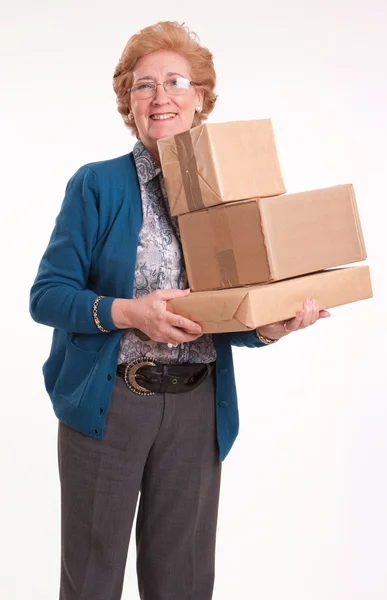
(265, 240)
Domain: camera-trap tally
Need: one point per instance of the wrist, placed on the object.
(121, 313)
(101, 312)
(265, 340)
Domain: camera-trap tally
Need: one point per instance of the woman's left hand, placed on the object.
(308, 316)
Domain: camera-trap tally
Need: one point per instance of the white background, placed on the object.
(303, 504)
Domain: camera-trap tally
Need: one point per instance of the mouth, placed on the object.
(163, 116)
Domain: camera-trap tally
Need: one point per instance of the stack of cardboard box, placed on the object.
(253, 253)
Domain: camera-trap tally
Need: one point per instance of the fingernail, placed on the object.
(300, 313)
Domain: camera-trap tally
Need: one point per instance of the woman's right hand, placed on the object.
(149, 314)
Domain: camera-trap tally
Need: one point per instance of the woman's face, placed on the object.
(163, 114)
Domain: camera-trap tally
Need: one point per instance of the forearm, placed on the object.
(60, 296)
(69, 309)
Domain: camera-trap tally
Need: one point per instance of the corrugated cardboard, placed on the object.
(220, 162)
(269, 239)
(243, 309)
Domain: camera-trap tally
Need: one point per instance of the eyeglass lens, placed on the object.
(174, 86)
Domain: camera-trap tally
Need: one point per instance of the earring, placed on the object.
(198, 108)
(130, 116)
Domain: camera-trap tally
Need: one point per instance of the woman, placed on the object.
(145, 402)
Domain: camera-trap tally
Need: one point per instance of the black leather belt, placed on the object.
(146, 377)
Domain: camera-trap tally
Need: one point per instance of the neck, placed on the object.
(154, 152)
(155, 156)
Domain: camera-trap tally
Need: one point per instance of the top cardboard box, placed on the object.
(220, 162)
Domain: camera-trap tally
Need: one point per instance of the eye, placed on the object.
(178, 82)
(144, 86)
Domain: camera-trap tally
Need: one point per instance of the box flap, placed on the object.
(358, 223)
(215, 306)
(188, 171)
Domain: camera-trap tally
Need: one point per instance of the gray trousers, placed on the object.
(165, 448)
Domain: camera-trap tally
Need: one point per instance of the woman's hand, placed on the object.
(308, 316)
(150, 315)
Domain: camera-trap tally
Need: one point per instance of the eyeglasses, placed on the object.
(175, 86)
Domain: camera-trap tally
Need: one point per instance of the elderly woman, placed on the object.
(146, 403)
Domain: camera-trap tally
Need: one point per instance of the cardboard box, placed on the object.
(242, 309)
(269, 239)
(220, 162)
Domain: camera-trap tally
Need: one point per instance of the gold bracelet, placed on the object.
(95, 315)
(264, 339)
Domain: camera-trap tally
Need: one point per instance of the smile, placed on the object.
(163, 116)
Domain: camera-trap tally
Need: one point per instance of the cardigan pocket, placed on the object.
(77, 368)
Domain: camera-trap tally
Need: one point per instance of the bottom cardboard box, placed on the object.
(245, 308)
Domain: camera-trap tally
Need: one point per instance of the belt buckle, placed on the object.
(130, 374)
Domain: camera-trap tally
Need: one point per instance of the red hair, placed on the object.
(165, 35)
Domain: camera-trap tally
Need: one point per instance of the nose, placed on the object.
(161, 97)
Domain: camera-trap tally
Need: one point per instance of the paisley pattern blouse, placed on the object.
(159, 265)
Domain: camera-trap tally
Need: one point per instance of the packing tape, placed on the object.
(189, 171)
(223, 248)
(227, 268)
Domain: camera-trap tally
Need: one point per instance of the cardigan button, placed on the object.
(109, 377)
(222, 403)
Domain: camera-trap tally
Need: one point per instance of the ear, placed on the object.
(199, 96)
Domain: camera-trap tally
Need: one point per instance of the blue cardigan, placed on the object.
(92, 251)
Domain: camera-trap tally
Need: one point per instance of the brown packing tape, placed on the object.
(189, 173)
(224, 252)
(227, 268)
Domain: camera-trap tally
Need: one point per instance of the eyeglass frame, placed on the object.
(193, 83)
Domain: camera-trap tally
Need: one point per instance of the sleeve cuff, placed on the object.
(104, 312)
